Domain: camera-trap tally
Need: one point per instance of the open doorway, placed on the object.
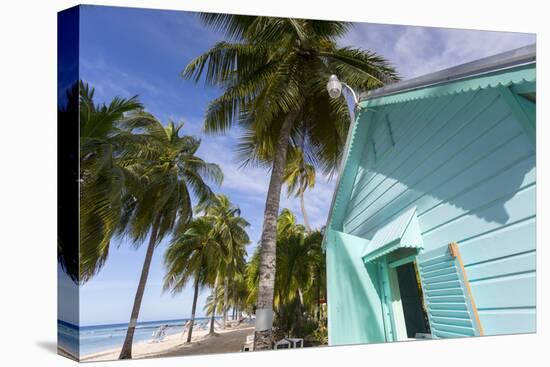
(416, 318)
(409, 316)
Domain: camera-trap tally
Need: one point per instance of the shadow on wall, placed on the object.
(451, 156)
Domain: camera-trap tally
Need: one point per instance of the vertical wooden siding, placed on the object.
(465, 162)
(354, 308)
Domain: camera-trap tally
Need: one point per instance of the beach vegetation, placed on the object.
(273, 73)
(143, 180)
(230, 230)
(210, 248)
(299, 176)
(169, 172)
(103, 176)
(193, 255)
(300, 278)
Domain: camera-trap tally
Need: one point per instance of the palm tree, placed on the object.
(273, 72)
(295, 257)
(214, 301)
(232, 294)
(235, 295)
(230, 229)
(107, 154)
(299, 280)
(193, 254)
(103, 176)
(214, 295)
(239, 295)
(299, 176)
(162, 203)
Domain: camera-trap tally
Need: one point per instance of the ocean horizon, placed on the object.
(91, 339)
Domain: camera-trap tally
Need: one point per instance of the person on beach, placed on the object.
(160, 333)
(185, 327)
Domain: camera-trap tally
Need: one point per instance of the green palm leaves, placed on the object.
(133, 171)
(159, 203)
(280, 65)
(229, 228)
(210, 248)
(169, 174)
(103, 176)
(138, 179)
(300, 275)
(273, 74)
(299, 176)
(193, 254)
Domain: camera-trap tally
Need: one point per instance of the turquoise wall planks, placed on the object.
(466, 160)
(353, 294)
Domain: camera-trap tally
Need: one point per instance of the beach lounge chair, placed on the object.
(159, 334)
(283, 344)
(296, 342)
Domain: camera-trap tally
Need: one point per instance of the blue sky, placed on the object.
(126, 52)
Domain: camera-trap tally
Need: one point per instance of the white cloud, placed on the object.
(111, 81)
(317, 201)
(465, 46)
(220, 149)
(420, 50)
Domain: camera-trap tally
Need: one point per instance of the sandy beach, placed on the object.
(65, 353)
(225, 341)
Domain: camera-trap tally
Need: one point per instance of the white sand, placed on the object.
(175, 344)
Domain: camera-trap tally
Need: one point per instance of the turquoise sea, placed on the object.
(85, 340)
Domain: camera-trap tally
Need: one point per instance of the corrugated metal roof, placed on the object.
(509, 59)
(402, 232)
(516, 76)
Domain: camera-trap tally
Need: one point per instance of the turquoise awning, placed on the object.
(401, 232)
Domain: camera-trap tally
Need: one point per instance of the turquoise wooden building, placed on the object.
(431, 232)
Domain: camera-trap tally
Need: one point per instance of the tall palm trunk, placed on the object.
(319, 294)
(193, 309)
(126, 351)
(213, 318)
(299, 310)
(304, 214)
(264, 303)
(225, 299)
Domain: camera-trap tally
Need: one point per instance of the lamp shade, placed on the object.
(334, 87)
